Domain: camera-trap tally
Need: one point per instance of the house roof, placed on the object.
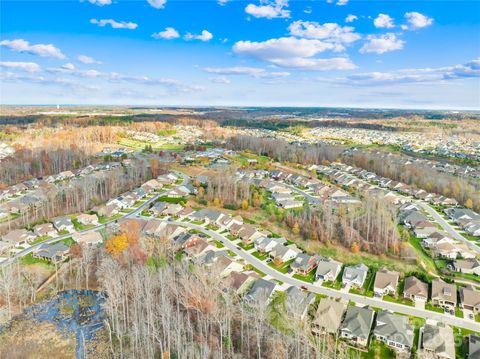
(385, 278)
(328, 266)
(260, 291)
(353, 272)
(358, 321)
(394, 327)
(473, 346)
(297, 301)
(444, 291)
(51, 250)
(466, 263)
(439, 339)
(329, 314)
(470, 297)
(414, 286)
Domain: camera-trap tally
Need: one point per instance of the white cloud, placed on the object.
(381, 44)
(204, 36)
(329, 32)
(222, 2)
(291, 52)
(416, 21)
(69, 66)
(220, 80)
(44, 50)
(383, 21)
(169, 33)
(157, 4)
(269, 9)
(351, 18)
(470, 69)
(115, 24)
(23, 66)
(88, 60)
(342, 2)
(307, 10)
(241, 70)
(100, 2)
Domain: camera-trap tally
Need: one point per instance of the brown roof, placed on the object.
(414, 286)
(444, 291)
(384, 278)
(470, 297)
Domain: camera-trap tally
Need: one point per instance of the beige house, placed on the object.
(444, 294)
(470, 299)
(386, 282)
(415, 290)
(329, 316)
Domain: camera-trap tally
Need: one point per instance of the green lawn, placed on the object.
(260, 256)
(246, 247)
(30, 260)
(334, 285)
(310, 277)
(399, 300)
(232, 238)
(458, 312)
(219, 244)
(283, 268)
(432, 308)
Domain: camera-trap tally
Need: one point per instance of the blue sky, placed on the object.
(403, 54)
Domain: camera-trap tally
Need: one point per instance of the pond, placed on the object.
(77, 312)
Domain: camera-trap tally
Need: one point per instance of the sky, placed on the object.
(336, 53)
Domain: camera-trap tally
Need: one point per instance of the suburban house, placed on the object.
(209, 216)
(63, 224)
(355, 275)
(297, 302)
(437, 238)
(225, 265)
(107, 210)
(470, 266)
(394, 330)
(473, 346)
(470, 299)
(386, 282)
(437, 341)
(304, 263)
(473, 228)
(329, 316)
(18, 237)
(453, 251)
(54, 253)
(248, 233)
(357, 325)
(415, 290)
(89, 239)
(239, 282)
(201, 246)
(282, 253)
(87, 219)
(259, 294)
(444, 294)
(266, 244)
(424, 229)
(328, 270)
(186, 240)
(45, 229)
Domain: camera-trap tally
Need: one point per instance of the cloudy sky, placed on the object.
(402, 54)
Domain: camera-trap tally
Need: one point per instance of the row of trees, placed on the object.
(281, 151)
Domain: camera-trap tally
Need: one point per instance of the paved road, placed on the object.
(374, 302)
(447, 227)
(96, 228)
(311, 199)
